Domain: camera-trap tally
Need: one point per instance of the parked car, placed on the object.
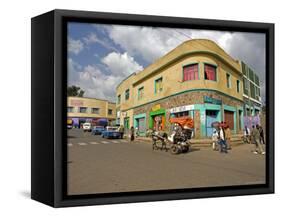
(69, 124)
(87, 127)
(97, 130)
(111, 132)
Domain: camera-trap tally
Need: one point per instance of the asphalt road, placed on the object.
(97, 165)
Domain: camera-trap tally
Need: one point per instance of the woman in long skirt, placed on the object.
(132, 134)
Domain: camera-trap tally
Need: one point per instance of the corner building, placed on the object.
(197, 78)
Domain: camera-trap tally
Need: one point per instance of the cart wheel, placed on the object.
(174, 149)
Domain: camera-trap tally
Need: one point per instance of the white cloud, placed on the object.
(93, 38)
(98, 84)
(148, 42)
(121, 64)
(151, 43)
(75, 46)
(72, 69)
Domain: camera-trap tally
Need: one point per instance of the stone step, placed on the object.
(233, 144)
(200, 141)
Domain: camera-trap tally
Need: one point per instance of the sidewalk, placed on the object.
(206, 142)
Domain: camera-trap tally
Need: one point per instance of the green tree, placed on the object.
(75, 91)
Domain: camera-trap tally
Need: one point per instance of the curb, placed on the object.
(200, 143)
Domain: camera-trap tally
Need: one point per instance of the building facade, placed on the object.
(251, 96)
(90, 110)
(197, 78)
(252, 93)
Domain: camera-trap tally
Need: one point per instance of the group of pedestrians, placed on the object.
(222, 135)
(132, 132)
(221, 139)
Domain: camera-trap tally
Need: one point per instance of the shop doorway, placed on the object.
(140, 124)
(211, 116)
(126, 125)
(229, 119)
(158, 122)
(157, 119)
(240, 119)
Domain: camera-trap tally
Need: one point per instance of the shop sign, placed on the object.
(75, 102)
(211, 100)
(155, 107)
(182, 108)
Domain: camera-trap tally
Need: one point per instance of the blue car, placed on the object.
(111, 132)
(97, 130)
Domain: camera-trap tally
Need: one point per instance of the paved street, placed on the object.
(97, 165)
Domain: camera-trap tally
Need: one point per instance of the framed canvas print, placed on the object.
(134, 108)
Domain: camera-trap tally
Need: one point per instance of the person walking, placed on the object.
(256, 139)
(132, 134)
(222, 140)
(261, 135)
(215, 140)
(247, 134)
(228, 137)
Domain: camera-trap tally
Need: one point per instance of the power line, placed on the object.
(204, 45)
(173, 36)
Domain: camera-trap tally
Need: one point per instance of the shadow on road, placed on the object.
(193, 150)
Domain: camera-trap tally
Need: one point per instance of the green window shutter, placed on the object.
(252, 89)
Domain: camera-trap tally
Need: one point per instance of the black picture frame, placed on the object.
(49, 80)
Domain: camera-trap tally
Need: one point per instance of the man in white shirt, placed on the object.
(222, 140)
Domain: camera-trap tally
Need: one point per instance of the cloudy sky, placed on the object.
(100, 56)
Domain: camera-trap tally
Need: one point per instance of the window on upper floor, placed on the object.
(246, 86)
(238, 86)
(190, 72)
(110, 111)
(83, 109)
(95, 110)
(258, 94)
(228, 81)
(252, 90)
(118, 99)
(251, 75)
(244, 69)
(140, 92)
(210, 72)
(70, 109)
(127, 94)
(257, 80)
(158, 85)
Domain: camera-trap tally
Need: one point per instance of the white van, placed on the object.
(87, 127)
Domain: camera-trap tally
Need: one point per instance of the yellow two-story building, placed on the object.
(197, 79)
(90, 110)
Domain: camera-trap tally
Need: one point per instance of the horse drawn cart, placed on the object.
(178, 140)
